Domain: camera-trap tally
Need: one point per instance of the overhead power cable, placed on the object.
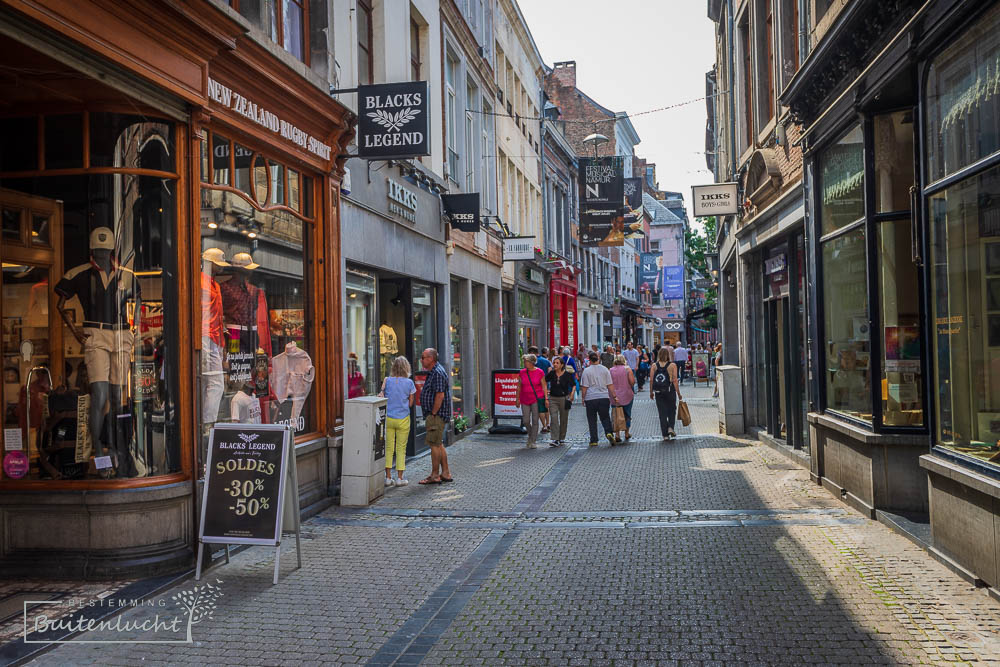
(603, 120)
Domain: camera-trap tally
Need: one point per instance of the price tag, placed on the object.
(102, 462)
(12, 439)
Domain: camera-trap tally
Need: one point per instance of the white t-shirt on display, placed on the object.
(244, 409)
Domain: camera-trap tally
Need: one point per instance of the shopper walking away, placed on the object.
(532, 394)
(562, 383)
(665, 390)
(598, 391)
(544, 365)
(435, 403)
(680, 358)
(643, 372)
(631, 357)
(571, 363)
(401, 393)
(624, 380)
(716, 362)
(608, 357)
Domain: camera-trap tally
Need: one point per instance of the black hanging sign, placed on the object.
(393, 121)
(602, 195)
(463, 211)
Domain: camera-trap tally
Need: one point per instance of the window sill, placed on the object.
(961, 472)
(865, 434)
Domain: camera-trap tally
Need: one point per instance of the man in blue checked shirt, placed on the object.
(435, 402)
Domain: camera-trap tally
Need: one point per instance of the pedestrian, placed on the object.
(643, 372)
(532, 394)
(624, 381)
(544, 365)
(716, 362)
(401, 393)
(664, 389)
(608, 358)
(631, 357)
(435, 403)
(571, 363)
(598, 390)
(680, 358)
(562, 383)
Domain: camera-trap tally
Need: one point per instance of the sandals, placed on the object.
(447, 479)
(430, 480)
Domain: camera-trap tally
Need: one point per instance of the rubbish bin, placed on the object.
(362, 479)
(730, 400)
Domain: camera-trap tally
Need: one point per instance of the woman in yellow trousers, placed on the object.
(401, 392)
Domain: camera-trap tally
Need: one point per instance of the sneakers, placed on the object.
(555, 443)
(593, 444)
(611, 438)
(671, 434)
(402, 482)
(389, 482)
(532, 445)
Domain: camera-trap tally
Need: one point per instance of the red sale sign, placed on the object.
(505, 390)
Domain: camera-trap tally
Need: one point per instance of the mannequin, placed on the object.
(213, 344)
(103, 289)
(292, 378)
(244, 309)
(244, 409)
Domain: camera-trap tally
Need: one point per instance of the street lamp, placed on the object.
(597, 140)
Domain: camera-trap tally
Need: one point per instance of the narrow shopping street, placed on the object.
(706, 549)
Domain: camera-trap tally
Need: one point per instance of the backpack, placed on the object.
(661, 379)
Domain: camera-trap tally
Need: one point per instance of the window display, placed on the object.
(89, 302)
(361, 374)
(842, 175)
(456, 351)
(255, 355)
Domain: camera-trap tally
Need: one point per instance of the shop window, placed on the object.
(424, 322)
(893, 144)
(221, 162)
(529, 306)
(358, 333)
(455, 330)
(842, 180)
(845, 318)
(963, 100)
(899, 317)
(257, 347)
(89, 306)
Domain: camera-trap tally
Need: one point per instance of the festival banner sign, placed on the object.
(602, 193)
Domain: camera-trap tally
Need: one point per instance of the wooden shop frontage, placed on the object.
(169, 197)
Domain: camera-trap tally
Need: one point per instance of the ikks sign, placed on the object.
(393, 121)
(463, 211)
(715, 199)
(236, 102)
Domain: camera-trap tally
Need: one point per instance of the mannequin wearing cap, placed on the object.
(213, 339)
(103, 289)
(244, 309)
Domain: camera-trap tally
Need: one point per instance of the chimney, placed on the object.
(565, 73)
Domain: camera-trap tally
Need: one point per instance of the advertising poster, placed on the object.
(649, 272)
(505, 394)
(602, 192)
(699, 360)
(633, 208)
(673, 282)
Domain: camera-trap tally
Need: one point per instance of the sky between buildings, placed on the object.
(634, 56)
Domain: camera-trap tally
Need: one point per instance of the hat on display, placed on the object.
(215, 256)
(102, 238)
(244, 260)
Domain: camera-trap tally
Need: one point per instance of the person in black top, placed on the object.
(562, 384)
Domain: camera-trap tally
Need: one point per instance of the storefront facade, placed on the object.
(563, 324)
(532, 307)
(900, 225)
(161, 216)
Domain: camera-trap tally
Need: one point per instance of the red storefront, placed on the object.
(562, 309)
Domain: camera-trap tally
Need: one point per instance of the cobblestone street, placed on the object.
(704, 550)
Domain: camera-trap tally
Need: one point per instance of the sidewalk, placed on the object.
(705, 549)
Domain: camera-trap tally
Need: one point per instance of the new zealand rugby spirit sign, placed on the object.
(393, 121)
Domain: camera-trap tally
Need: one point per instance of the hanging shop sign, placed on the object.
(602, 193)
(518, 248)
(673, 326)
(673, 282)
(714, 199)
(633, 208)
(393, 121)
(239, 104)
(649, 272)
(703, 283)
(463, 211)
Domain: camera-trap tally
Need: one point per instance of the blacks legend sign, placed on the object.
(245, 483)
(393, 121)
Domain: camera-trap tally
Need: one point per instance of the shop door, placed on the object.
(33, 332)
(776, 367)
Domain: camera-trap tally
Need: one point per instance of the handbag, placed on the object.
(618, 419)
(683, 413)
(539, 402)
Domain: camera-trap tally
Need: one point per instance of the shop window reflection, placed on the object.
(361, 375)
(842, 176)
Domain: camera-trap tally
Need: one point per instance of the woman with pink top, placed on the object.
(624, 381)
(532, 393)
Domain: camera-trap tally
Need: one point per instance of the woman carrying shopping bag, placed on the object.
(664, 389)
(624, 380)
(401, 393)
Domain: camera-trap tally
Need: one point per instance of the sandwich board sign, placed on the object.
(251, 489)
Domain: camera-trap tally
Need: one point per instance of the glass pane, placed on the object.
(307, 196)
(39, 229)
(205, 173)
(293, 189)
(277, 183)
(122, 140)
(19, 144)
(963, 100)
(965, 296)
(893, 161)
(359, 336)
(845, 316)
(256, 347)
(260, 181)
(842, 181)
(455, 329)
(423, 322)
(220, 159)
(293, 29)
(111, 346)
(900, 321)
(244, 159)
(10, 218)
(64, 141)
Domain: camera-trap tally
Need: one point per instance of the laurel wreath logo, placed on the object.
(249, 438)
(394, 122)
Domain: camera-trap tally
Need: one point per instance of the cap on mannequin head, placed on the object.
(213, 260)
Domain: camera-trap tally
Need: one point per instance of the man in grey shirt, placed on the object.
(681, 359)
(598, 390)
